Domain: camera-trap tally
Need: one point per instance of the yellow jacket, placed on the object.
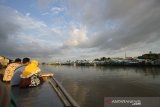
(30, 69)
(10, 71)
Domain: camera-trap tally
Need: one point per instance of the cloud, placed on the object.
(134, 22)
(56, 10)
(46, 13)
(77, 36)
(28, 14)
(7, 26)
(111, 28)
(23, 36)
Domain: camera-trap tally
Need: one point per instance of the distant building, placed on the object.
(128, 58)
(157, 62)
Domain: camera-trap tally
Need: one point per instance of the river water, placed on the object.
(89, 85)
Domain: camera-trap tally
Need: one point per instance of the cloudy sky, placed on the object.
(78, 29)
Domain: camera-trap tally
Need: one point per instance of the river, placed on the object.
(89, 85)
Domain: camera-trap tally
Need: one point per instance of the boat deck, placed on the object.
(41, 96)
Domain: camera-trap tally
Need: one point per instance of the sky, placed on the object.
(56, 30)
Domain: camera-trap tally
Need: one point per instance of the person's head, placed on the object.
(26, 61)
(18, 60)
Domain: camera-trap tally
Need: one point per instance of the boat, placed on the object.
(50, 94)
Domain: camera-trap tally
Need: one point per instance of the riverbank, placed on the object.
(106, 64)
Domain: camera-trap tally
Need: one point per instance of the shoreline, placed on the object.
(106, 65)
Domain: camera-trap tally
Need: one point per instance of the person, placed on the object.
(31, 77)
(6, 97)
(9, 71)
(16, 76)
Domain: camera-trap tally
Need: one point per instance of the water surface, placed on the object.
(89, 85)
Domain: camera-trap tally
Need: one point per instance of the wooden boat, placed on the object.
(50, 94)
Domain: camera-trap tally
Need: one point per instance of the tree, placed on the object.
(151, 56)
(103, 59)
(96, 59)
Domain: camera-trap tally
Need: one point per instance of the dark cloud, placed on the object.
(137, 20)
(8, 25)
(8, 28)
(95, 12)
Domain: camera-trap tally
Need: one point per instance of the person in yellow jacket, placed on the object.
(31, 75)
(9, 71)
(31, 69)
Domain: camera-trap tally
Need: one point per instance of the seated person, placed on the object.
(10, 70)
(16, 76)
(31, 77)
(6, 97)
